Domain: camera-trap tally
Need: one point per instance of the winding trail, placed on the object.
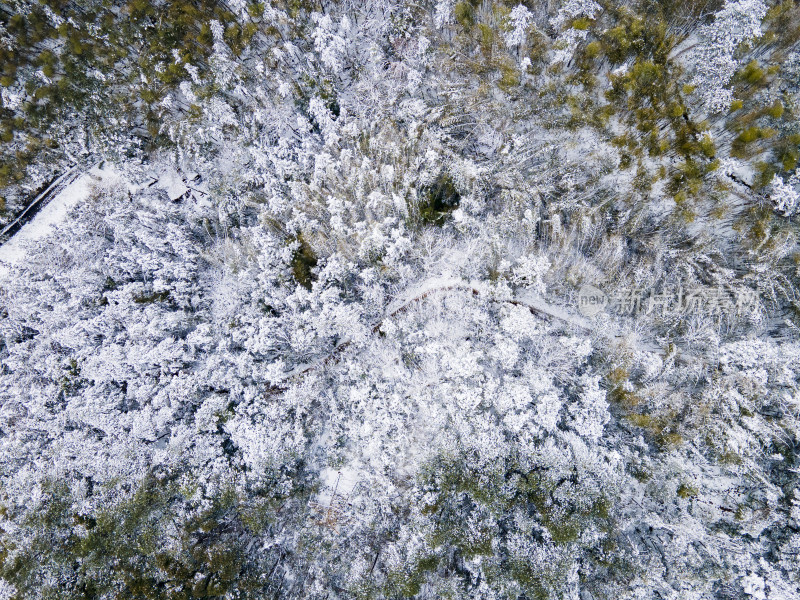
(51, 207)
(534, 303)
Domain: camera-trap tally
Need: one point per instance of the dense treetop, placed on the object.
(310, 328)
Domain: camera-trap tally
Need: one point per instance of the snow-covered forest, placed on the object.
(400, 299)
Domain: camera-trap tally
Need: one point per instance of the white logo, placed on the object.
(591, 300)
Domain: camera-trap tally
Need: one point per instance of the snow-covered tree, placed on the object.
(737, 23)
(311, 330)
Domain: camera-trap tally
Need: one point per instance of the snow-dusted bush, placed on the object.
(784, 194)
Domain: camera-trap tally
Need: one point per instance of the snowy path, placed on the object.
(37, 204)
(604, 329)
(78, 187)
(525, 298)
(12, 253)
(418, 293)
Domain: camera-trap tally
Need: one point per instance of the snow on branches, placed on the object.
(519, 20)
(739, 22)
(784, 195)
(569, 37)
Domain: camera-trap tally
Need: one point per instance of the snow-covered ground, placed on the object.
(54, 213)
(13, 252)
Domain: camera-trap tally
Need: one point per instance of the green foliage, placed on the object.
(740, 147)
(116, 40)
(161, 296)
(687, 491)
(486, 39)
(581, 24)
(787, 152)
(758, 222)
(593, 49)
(464, 14)
(650, 94)
(153, 545)
(707, 146)
(303, 262)
(752, 73)
(408, 583)
(488, 497)
(509, 77)
(637, 37)
(776, 110)
(438, 200)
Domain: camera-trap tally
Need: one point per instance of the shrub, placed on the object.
(439, 200)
